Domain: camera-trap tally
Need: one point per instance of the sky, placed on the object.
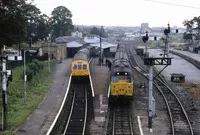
(125, 12)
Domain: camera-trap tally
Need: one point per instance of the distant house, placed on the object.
(56, 51)
(77, 34)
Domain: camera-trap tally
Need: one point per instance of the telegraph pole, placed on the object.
(100, 49)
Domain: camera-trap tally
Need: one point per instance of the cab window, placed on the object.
(79, 67)
(129, 79)
(75, 67)
(114, 78)
(84, 66)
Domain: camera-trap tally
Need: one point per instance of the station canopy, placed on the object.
(104, 45)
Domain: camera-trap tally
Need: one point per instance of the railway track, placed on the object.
(180, 123)
(78, 115)
(120, 120)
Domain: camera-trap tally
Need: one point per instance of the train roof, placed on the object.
(121, 61)
(142, 47)
(82, 54)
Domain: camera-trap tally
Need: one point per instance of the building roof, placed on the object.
(74, 44)
(31, 48)
(81, 42)
(64, 39)
(104, 45)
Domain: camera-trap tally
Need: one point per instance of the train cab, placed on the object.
(80, 68)
(122, 85)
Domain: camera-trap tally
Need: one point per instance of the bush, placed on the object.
(29, 73)
(32, 69)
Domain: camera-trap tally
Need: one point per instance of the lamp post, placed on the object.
(49, 59)
(25, 77)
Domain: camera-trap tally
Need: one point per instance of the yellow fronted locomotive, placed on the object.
(121, 86)
(80, 63)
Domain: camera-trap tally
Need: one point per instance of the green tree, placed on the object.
(37, 24)
(95, 31)
(43, 29)
(12, 24)
(192, 29)
(19, 21)
(61, 22)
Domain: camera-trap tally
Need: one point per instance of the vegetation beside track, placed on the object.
(19, 110)
(193, 89)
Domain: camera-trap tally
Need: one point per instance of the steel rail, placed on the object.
(175, 129)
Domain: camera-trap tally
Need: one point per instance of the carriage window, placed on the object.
(75, 67)
(114, 78)
(79, 67)
(84, 66)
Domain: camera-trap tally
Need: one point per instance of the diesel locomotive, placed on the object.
(122, 80)
(80, 62)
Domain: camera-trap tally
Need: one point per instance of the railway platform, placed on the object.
(100, 79)
(41, 119)
(188, 54)
(178, 66)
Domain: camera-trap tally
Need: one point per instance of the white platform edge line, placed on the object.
(52, 125)
(109, 91)
(91, 84)
(140, 126)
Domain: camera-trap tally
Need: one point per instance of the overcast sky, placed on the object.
(124, 12)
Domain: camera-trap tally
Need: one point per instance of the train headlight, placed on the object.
(125, 73)
(117, 73)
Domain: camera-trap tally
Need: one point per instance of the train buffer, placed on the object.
(175, 77)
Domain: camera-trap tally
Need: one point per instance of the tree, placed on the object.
(12, 24)
(61, 22)
(43, 29)
(37, 24)
(95, 31)
(19, 21)
(192, 29)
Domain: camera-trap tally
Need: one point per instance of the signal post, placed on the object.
(150, 62)
(6, 76)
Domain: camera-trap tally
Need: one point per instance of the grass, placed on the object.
(193, 89)
(17, 109)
